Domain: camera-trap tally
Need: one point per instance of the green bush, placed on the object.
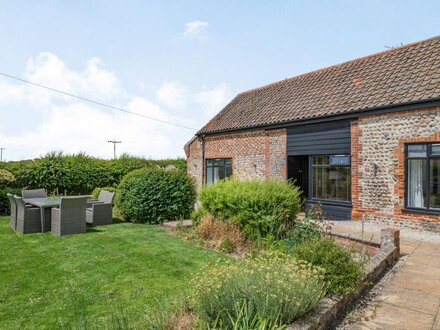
(258, 207)
(5, 207)
(96, 191)
(6, 178)
(342, 272)
(78, 174)
(271, 286)
(154, 196)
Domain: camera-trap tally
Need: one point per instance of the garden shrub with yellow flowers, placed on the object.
(271, 288)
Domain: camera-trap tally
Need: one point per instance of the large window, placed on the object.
(423, 176)
(331, 177)
(218, 169)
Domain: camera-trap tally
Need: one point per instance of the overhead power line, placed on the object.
(95, 102)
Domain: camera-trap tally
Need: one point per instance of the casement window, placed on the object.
(331, 177)
(218, 169)
(423, 176)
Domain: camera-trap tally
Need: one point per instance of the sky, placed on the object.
(177, 61)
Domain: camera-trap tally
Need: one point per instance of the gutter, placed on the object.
(351, 115)
(203, 160)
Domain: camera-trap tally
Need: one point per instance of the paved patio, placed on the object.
(411, 300)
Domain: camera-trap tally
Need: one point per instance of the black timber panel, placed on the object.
(328, 138)
(333, 212)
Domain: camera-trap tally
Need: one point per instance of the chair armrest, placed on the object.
(90, 203)
(101, 206)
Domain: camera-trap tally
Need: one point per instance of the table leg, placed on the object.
(42, 218)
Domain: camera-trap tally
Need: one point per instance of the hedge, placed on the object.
(152, 195)
(71, 174)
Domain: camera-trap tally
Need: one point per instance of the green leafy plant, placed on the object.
(4, 200)
(258, 207)
(6, 178)
(272, 287)
(342, 272)
(154, 196)
(246, 319)
(74, 174)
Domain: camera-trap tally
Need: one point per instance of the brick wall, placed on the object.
(255, 154)
(378, 165)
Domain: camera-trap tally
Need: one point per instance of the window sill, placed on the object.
(416, 210)
(329, 202)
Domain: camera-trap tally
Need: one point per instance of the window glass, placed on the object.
(417, 150)
(331, 177)
(340, 160)
(435, 149)
(416, 194)
(218, 169)
(434, 197)
(320, 160)
(209, 174)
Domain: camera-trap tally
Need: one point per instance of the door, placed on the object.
(297, 172)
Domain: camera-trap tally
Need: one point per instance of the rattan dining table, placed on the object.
(45, 204)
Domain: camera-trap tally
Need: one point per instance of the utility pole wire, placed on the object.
(96, 102)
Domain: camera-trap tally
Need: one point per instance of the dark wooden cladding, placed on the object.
(333, 212)
(322, 139)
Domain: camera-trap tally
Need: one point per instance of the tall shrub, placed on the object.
(259, 208)
(152, 195)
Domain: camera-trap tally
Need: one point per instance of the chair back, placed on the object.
(73, 207)
(13, 205)
(21, 207)
(106, 197)
(34, 193)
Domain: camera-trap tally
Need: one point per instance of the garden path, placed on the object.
(411, 298)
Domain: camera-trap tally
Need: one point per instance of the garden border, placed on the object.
(329, 309)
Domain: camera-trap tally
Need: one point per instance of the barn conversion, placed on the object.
(361, 137)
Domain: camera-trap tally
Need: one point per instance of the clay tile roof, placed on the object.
(401, 75)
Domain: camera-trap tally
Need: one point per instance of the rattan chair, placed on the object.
(99, 212)
(28, 218)
(34, 193)
(104, 196)
(13, 216)
(70, 217)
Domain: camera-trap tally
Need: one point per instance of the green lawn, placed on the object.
(136, 270)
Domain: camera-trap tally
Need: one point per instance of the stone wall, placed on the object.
(254, 154)
(378, 165)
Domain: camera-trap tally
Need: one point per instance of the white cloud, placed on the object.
(195, 30)
(172, 95)
(213, 100)
(49, 121)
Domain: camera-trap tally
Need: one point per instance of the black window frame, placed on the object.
(224, 166)
(311, 183)
(426, 181)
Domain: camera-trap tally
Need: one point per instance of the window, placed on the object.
(423, 176)
(331, 177)
(218, 169)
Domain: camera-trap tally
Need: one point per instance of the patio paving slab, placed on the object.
(411, 299)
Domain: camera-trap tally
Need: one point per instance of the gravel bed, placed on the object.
(420, 235)
(367, 304)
